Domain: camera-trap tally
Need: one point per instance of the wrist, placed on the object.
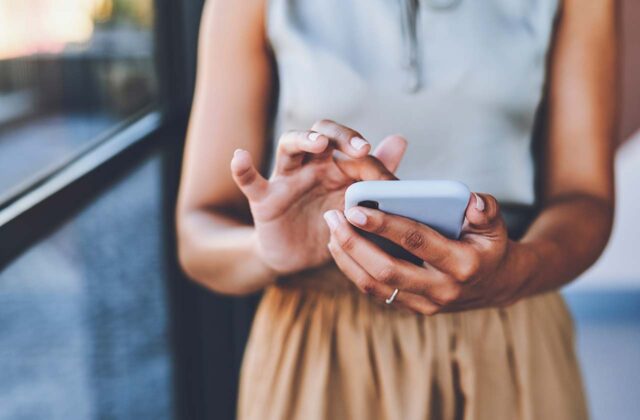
(524, 262)
(266, 274)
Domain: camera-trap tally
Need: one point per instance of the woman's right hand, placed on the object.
(308, 180)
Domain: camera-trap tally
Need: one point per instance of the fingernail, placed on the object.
(235, 153)
(356, 216)
(314, 136)
(479, 202)
(332, 219)
(358, 143)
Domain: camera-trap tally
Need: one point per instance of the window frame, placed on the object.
(37, 208)
(208, 332)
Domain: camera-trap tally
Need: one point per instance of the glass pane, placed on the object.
(69, 71)
(84, 320)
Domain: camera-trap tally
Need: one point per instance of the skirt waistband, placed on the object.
(327, 279)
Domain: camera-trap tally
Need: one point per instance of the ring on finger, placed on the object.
(391, 298)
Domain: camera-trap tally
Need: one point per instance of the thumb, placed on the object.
(483, 212)
(247, 177)
(390, 151)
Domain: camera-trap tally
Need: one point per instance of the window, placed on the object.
(85, 329)
(71, 72)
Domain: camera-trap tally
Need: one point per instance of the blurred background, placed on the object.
(96, 320)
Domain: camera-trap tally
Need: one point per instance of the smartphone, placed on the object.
(439, 204)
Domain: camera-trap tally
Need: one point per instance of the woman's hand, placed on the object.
(479, 270)
(307, 181)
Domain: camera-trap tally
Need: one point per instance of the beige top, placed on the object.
(462, 80)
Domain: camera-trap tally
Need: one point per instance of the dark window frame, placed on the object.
(37, 208)
(208, 332)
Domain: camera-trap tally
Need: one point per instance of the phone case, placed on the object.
(440, 204)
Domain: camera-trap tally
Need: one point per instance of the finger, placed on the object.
(380, 291)
(428, 282)
(390, 151)
(384, 268)
(247, 177)
(367, 168)
(293, 146)
(482, 212)
(344, 139)
(444, 254)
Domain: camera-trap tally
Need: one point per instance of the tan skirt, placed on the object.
(319, 349)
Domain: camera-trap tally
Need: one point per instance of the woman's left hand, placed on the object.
(479, 270)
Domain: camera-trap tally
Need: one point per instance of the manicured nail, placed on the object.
(479, 202)
(358, 143)
(313, 136)
(356, 216)
(332, 219)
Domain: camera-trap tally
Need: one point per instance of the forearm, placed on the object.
(566, 238)
(220, 253)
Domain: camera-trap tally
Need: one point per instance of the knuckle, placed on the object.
(387, 275)
(413, 239)
(342, 133)
(368, 286)
(320, 123)
(468, 268)
(377, 168)
(359, 282)
(494, 202)
(286, 137)
(449, 295)
(246, 176)
(379, 225)
(346, 240)
(429, 310)
(493, 207)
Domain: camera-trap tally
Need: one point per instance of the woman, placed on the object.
(478, 331)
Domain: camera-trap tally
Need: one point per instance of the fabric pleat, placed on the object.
(321, 350)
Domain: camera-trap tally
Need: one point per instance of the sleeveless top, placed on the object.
(461, 79)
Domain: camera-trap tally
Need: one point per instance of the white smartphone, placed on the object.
(439, 204)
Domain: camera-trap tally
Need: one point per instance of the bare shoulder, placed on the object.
(244, 17)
